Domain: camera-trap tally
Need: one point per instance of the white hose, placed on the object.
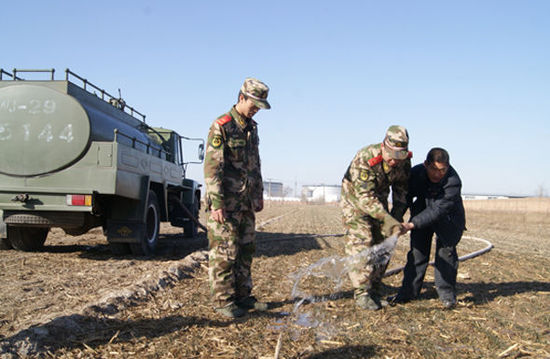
(460, 259)
(391, 271)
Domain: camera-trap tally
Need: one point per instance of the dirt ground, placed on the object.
(76, 300)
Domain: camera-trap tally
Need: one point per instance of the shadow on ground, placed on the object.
(73, 331)
(176, 246)
(82, 331)
(480, 293)
(275, 244)
(477, 293)
(347, 352)
(486, 292)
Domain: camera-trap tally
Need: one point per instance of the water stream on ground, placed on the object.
(333, 271)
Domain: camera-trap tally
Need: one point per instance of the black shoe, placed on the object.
(398, 299)
(376, 293)
(448, 303)
(252, 303)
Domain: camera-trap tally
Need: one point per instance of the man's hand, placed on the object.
(259, 205)
(407, 226)
(402, 229)
(218, 215)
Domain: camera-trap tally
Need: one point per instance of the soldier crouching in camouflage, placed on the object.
(234, 192)
(365, 191)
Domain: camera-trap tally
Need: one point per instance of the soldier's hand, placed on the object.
(218, 215)
(396, 230)
(399, 230)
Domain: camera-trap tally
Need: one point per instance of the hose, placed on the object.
(393, 270)
(191, 216)
(460, 259)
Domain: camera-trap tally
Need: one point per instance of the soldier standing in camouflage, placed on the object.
(234, 192)
(365, 190)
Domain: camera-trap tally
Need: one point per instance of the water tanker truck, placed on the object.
(75, 157)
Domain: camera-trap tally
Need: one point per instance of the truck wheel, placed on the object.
(148, 242)
(190, 228)
(5, 244)
(27, 239)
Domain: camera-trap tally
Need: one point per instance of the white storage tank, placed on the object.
(321, 193)
(273, 189)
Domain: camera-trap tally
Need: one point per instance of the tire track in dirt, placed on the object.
(27, 341)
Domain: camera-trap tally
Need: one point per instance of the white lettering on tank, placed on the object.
(7, 105)
(67, 133)
(5, 133)
(46, 133)
(33, 107)
(49, 106)
(26, 131)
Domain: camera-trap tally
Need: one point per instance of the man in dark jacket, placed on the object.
(436, 207)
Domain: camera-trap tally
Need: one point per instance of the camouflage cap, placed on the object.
(396, 142)
(256, 91)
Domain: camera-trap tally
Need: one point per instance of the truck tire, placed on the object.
(190, 228)
(27, 239)
(149, 239)
(5, 244)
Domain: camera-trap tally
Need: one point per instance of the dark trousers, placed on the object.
(446, 262)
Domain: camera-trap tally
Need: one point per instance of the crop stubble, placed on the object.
(504, 297)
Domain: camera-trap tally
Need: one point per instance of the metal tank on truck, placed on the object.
(75, 157)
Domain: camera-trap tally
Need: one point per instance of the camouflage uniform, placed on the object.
(233, 183)
(364, 201)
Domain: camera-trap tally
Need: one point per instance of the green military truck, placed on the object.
(75, 157)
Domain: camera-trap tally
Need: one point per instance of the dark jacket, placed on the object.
(436, 204)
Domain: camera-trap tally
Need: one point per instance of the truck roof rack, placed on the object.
(117, 102)
(13, 76)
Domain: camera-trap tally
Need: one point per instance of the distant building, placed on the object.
(273, 189)
(482, 196)
(321, 193)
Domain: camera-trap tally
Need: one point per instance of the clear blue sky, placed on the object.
(470, 76)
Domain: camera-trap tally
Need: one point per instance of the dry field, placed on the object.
(75, 300)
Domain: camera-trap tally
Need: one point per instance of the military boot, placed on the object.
(377, 293)
(231, 311)
(252, 303)
(398, 299)
(368, 301)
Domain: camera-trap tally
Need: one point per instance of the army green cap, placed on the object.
(396, 142)
(257, 91)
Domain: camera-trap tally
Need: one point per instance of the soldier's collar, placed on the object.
(387, 168)
(241, 121)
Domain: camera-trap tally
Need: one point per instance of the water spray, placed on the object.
(335, 269)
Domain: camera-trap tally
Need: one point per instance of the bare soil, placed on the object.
(76, 300)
